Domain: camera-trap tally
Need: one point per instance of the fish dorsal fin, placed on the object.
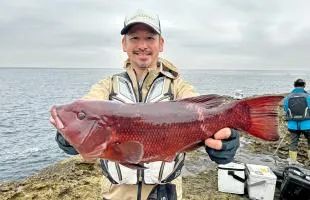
(131, 151)
(208, 101)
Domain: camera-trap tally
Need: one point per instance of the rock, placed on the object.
(58, 181)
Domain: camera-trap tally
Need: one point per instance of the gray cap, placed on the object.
(141, 16)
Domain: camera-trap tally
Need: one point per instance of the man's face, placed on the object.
(142, 46)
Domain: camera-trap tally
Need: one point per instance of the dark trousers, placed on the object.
(295, 135)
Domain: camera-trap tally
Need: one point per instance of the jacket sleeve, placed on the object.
(64, 145)
(183, 89)
(100, 90)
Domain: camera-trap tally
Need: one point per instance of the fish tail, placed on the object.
(261, 118)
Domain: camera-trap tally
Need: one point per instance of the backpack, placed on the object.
(297, 107)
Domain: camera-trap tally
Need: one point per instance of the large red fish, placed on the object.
(132, 134)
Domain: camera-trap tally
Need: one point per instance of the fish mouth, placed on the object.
(57, 120)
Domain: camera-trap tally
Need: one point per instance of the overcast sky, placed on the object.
(209, 34)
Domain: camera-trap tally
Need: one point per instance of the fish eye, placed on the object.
(81, 115)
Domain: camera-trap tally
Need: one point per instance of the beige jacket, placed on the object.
(102, 90)
(180, 88)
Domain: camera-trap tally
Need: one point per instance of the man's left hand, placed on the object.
(223, 146)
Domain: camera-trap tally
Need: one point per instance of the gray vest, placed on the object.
(156, 172)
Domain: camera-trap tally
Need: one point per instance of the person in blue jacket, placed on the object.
(296, 106)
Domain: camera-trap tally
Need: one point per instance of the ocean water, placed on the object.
(26, 95)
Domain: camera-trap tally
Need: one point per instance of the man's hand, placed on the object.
(223, 146)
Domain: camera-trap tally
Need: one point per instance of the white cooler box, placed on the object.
(261, 182)
(231, 178)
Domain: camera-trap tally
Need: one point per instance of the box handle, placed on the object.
(232, 173)
(257, 183)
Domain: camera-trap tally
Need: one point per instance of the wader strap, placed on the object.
(139, 190)
(160, 176)
(119, 173)
(140, 179)
(179, 163)
(104, 166)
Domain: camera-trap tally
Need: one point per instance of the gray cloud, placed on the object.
(230, 34)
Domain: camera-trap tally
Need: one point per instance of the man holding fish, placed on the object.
(147, 79)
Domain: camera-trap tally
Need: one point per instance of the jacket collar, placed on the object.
(299, 89)
(164, 67)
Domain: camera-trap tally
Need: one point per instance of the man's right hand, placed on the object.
(223, 147)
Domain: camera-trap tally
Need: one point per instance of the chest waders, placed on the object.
(123, 92)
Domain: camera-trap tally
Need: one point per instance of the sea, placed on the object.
(27, 139)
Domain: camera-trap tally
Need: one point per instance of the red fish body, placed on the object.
(141, 133)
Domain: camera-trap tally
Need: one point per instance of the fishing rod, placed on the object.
(278, 146)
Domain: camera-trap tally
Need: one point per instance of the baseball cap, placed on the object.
(144, 17)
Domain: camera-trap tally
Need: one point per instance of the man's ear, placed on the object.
(124, 45)
(161, 44)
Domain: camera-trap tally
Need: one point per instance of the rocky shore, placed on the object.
(74, 179)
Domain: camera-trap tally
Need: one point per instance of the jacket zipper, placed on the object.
(140, 87)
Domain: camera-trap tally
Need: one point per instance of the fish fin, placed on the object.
(262, 118)
(208, 101)
(96, 152)
(131, 151)
(192, 146)
(134, 166)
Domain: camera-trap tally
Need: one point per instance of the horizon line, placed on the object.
(121, 68)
